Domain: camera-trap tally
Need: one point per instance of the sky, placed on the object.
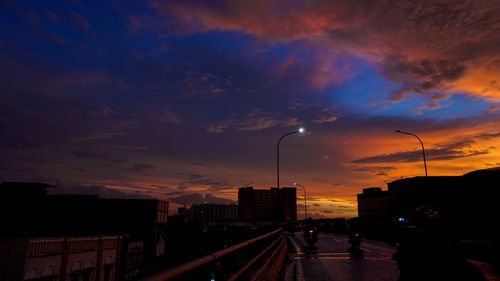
(186, 100)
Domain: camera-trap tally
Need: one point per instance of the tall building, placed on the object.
(267, 204)
(246, 201)
(288, 203)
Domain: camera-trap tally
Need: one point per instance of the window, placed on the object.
(48, 271)
(31, 274)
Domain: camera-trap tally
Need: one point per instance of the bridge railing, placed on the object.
(228, 264)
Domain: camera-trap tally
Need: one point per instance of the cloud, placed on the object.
(197, 198)
(100, 155)
(486, 136)
(321, 69)
(142, 167)
(431, 103)
(325, 119)
(83, 170)
(193, 179)
(51, 17)
(160, 186)
(169, 116)
(52, 37)
(455, 150)
(78, 21)
(376, 170)
(425, 46)
(421, 76)
(31, 17)
(257, 119)
(254, 121)
(493, 108)
(101, 190)
(203, 86)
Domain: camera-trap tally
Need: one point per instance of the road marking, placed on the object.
(298, 263)
(341, 258)
(332, 253)
(295, 245)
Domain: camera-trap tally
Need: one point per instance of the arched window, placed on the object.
(31, 274)
(76, 266)
(48, 271)
(108, 260)
(88, 264)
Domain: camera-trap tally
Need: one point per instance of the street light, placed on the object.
(423, 150)
(300, 131)
(305, 200)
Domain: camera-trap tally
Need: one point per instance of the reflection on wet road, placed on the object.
(330, 259)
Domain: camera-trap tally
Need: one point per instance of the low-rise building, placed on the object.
(209, 213)
(468, 202)
(142, 224)
(60, 258)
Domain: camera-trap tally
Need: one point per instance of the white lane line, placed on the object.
(300, 271)
(298, 262)
(332, 253)
(295, 244)
(343, 258)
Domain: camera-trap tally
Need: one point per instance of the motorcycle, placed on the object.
(311, 236)
(355, 241)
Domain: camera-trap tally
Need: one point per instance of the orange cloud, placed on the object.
(438, 46)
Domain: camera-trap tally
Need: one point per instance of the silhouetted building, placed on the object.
(23, 189)
(267, 204)
(375, 205)
(469, 203)
(27, 211)
(60, 259)
(288, 203)
(184, 212)
(144, 226)
(142, 223)
(207, 213)
(246, 201)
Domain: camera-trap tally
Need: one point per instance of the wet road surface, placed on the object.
(330, 259)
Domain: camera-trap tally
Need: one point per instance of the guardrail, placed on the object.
(186, 268)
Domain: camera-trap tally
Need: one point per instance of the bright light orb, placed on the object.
(302, 130)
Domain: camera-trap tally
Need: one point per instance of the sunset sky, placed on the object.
(185, 100)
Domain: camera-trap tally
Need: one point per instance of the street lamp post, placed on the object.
(300, 130)
(423, 149)
(305, 200)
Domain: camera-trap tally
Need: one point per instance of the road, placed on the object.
(331, 260)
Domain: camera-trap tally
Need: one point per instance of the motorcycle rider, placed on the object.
(428, 250)
(354, 234)
(310, 232)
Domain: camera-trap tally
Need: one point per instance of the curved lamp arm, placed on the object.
(423, 149)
